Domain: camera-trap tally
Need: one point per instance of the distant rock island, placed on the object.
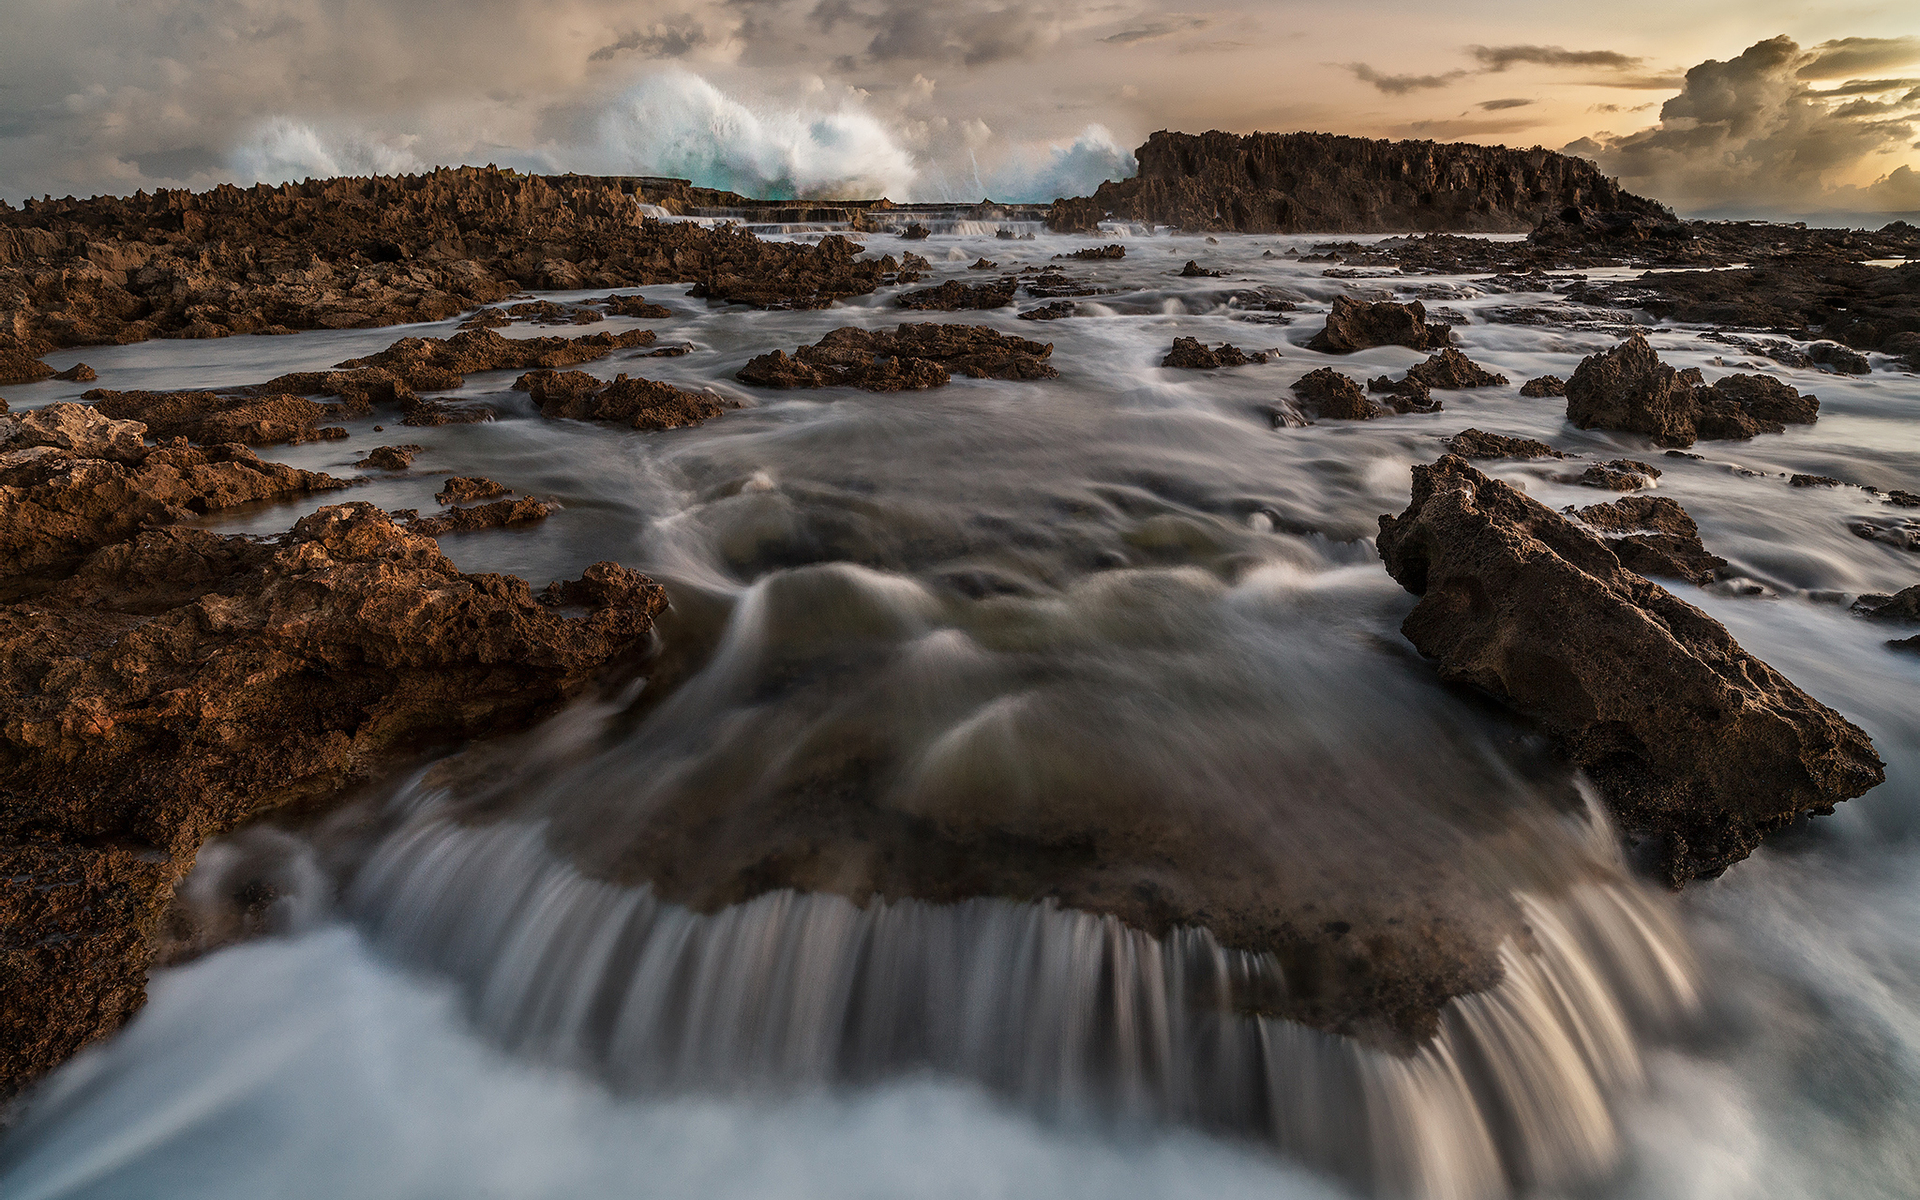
(1323, 183)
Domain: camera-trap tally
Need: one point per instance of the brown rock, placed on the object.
(81, 431)
(1692, 740)
(1545, 385)
(214, 418)
(953, 296)
(1359, 325)
(1096, 253)
(639, 403)
(55, 508)
(390, 458)
(981, 264)
(1807, 481)
(1452, 370)
(1473, 443)
(634, 306)
(1336, 397)
(1619, 475)
(20, 365)
(916, 232)
(460, 489)
(1900, 606)
(238, 676)
(910, 356)
(1630, 390)
(498, 515)
(1190, 354)
(78, 373)
(1051, 311)
(1194, 270)
(1656, 537)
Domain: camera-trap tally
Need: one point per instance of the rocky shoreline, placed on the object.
(166, 684)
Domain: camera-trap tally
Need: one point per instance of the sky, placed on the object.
(1718, 107)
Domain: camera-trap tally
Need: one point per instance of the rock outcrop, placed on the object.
(1336, 397)
(1360, 325)
(1321, 183)
(179, 682)
(1697, 745)
(954, 296)
(908, 358)
(1630, 390)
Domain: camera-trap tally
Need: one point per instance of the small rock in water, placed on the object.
(78, 373)
(1051, 311)
(1900, 606)
(1543, 386)
(1194, 270)
(1190, 354)
(1807, 481)
(1359, 325)
(461, 489)
(1474, 443)
(1335, 396)
(390, 458)
(1619, 475)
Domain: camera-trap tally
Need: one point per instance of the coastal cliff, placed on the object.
(1321, 183)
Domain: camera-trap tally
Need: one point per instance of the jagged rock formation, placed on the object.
(1334, 396)
(954, 296)
(909, 358)
(1696, 744)
(1654, 536)
(349, 253)
(1321, 183)
(1630, 390)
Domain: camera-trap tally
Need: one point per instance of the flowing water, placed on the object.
(995, 730)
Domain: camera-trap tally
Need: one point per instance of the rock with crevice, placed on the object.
(1655, 537)
(1698, 747)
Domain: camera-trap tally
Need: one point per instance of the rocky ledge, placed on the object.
(908, 358)
(1699, 748)
(162, 684)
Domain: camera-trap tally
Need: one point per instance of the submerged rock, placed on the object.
(1474, 443)
(239, 675)
(498, 515)
(78, 373)
(1545, 385)
(463, 489)
(1620, 475)
(1113, 250)
(909, 357)
(1190, 354)
(1694, 742)
(391, 458)
(1900, 606)
(1360, 325)
(1051, 311)
(953, 296)
(1336, 397)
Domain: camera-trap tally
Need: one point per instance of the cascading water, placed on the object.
(1031, 771)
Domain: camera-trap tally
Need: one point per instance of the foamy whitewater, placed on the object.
(1053, 592)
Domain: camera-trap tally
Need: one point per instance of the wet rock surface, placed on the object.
(1630, 390)
(908, 358)
(498, 515)
(1699, 747)
(1619, 475)
(391, 458)
(180, 681)
(1360, 325)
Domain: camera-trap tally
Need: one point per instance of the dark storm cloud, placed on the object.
(1497, 105)
(1499, 58)
(672, 38)
(1856, 55)
(969, 32)
(1400, 85)
(1869, 87)
(1752, 130)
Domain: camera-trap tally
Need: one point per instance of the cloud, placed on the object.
(1499, 58)
(1155, 30)
(1854, 55)
(968, 32)
(1497, 105)
(1400, 85)
(1870, 87)
(1750, 134)
(671, 39)
(1620, 108)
